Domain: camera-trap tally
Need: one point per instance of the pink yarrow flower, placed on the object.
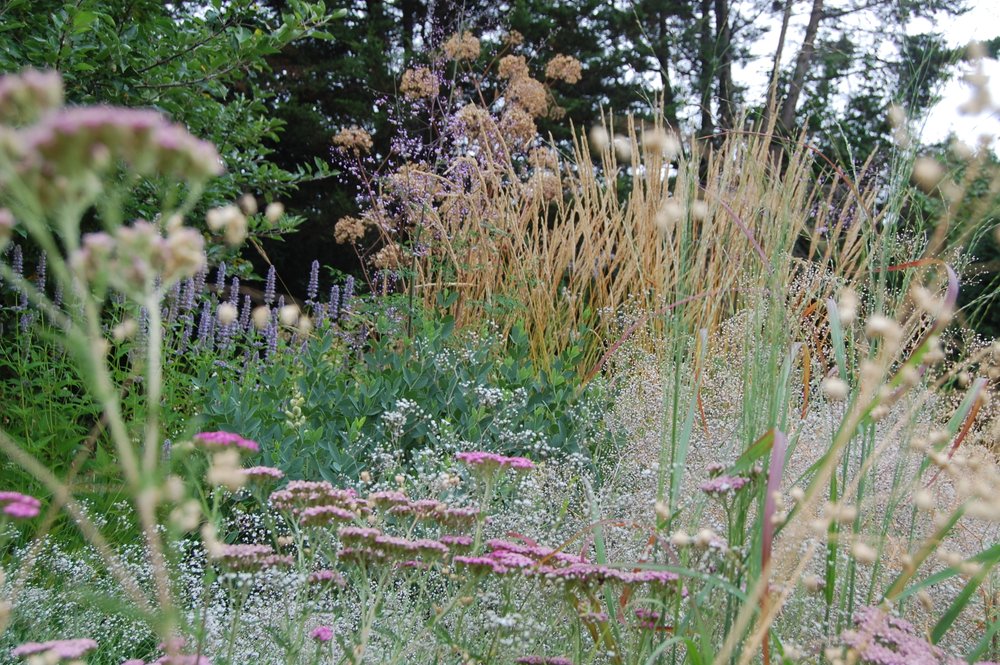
(722, 485)
(250, 557)
(457, 541)
(55, 649)
(487, 460)
(221, 440)
(263, 473)
(325, 576)
(19, 506)
(320, 515)
(322, 633)
(882, 639)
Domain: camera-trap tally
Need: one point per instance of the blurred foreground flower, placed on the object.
(54, 651)
(19, 506)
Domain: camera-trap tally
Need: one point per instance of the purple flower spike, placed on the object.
(269, 285)
(220, 280)
(347, 295)
(313, 290)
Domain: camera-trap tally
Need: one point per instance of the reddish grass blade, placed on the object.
(970, 418)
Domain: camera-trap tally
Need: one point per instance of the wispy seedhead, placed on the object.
(835, 389)
(928, 173)
(978, 81)
(660, 142)
(274, 212)
(462, 46)
(353, 140)
(349, 230)
(564, 68)
(230, 221)
(419, 83)
(6, 227)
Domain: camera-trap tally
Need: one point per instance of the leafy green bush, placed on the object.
(335, 409)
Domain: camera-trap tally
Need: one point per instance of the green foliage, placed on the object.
(45, 405)
(190, 61)
(401, 398)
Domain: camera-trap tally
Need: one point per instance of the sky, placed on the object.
(981, 22)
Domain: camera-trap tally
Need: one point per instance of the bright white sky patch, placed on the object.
(982, 22)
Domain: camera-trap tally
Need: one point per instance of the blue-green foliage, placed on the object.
(399, 397)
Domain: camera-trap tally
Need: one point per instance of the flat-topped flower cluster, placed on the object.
(548, 565)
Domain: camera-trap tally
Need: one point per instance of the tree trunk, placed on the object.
(802, 64)
(660, 48)
(707, 74)
(770, 104)
(724, 55)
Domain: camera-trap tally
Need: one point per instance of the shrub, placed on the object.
(391, 402)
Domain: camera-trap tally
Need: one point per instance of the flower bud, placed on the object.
(273, 212)
(261, 317)
(288, 315)
(835, 388)
(248, 204)
(227, 313)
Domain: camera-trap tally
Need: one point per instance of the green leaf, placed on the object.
(757, 450)
(82, 21)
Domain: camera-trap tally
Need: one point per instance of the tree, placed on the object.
(188, 60)
(846, 75)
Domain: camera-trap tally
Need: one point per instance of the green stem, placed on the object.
(154, 382)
